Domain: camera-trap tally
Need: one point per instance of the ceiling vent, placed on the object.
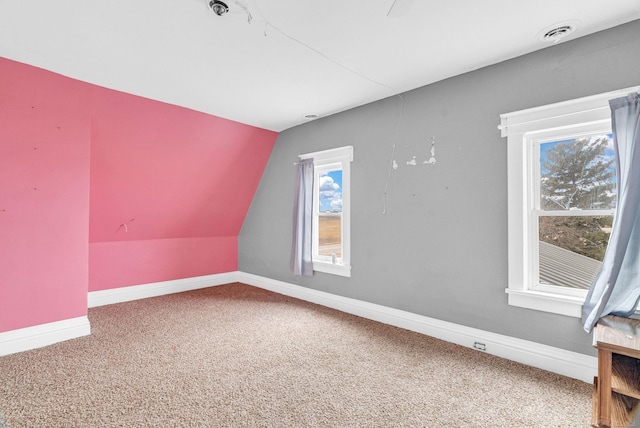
(558, 33)
(555, 33)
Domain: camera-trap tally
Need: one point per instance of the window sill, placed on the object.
(340, 270)
(570, 306)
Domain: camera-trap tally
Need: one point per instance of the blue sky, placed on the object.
(609, 153)
(331, 191)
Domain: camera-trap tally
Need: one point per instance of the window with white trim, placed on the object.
(332, 210)
(561, 200)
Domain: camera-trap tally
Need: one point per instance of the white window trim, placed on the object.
(344, 157)
(520, 127)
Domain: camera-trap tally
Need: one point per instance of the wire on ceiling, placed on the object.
(393, 164)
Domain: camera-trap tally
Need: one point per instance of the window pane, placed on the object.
(330, 213)
(578, 174)
(571, 249)
(330, 234)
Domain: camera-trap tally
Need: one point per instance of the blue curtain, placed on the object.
(301, 263)
(616, 290)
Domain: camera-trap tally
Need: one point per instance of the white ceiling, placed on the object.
(295, 57)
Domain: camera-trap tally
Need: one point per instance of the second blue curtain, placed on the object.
(616, 290)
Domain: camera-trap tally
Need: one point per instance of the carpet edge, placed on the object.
(556, 360)
(25, 339)
(154, 289)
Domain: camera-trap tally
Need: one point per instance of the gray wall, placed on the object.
(441, 248)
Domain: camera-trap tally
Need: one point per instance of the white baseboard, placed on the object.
(24, 339)
(556, 360)
(135, 292)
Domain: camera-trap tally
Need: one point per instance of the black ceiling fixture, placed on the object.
(218, 7)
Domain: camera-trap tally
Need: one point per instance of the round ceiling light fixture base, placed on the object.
(218, 7)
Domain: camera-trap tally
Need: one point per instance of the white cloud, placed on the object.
(327, 184)
(330, 194)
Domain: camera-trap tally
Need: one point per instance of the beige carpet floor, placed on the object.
(239, 356)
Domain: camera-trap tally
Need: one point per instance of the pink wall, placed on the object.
(170, 188)
(44, 197)
(143, 262)
(100, 189)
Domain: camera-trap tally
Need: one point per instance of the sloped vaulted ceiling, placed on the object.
(291, 58)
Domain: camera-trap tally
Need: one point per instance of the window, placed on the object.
(331, 210)
(573, 206)
(561, 201)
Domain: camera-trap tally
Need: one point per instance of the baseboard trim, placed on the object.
(25, 339)
(154, 289)
(556, 360)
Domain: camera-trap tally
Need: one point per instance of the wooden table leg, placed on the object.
(604, 387)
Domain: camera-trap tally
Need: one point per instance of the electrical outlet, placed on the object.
(480, 346)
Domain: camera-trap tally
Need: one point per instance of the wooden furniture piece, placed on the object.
(617, 387)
